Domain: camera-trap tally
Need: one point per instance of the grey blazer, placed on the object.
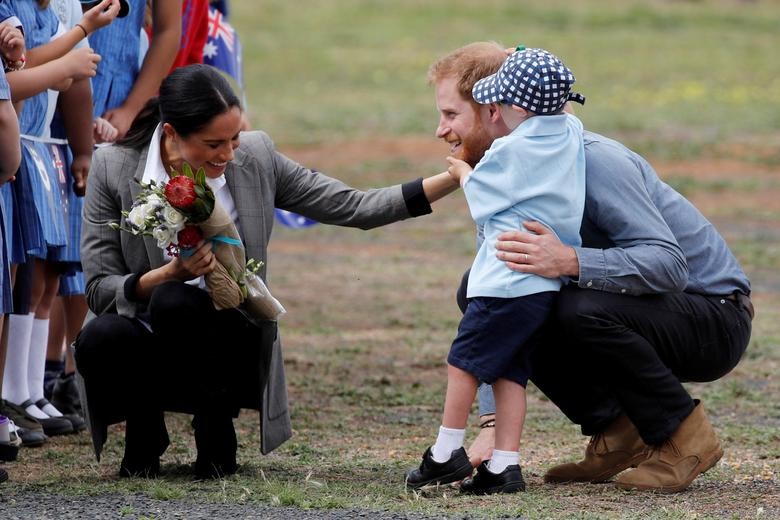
(259, 178)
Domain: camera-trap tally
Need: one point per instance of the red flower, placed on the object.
(180, 192)
(189, 236)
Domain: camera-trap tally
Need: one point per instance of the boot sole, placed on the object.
(702, 467)
(604, 476)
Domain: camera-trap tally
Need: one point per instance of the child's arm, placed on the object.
(99, 16)
(10, 154)
(459, 170)
(75, 106)
(166, 28)
(438, 186)
(78, 64)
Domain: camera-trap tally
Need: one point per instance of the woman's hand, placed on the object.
(201, 262)
(99, 16)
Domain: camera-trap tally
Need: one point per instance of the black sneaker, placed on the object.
(486, 482)
(432, 472)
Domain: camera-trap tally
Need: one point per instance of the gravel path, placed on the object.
(45, 506)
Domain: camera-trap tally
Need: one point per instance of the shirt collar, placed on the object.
(155, 171)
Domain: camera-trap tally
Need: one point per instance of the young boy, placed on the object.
(535, 173)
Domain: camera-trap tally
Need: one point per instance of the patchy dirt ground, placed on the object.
(371, 316)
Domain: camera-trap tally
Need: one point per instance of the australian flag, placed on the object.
(223, 48)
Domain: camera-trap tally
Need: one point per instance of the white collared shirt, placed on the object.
(155, 171)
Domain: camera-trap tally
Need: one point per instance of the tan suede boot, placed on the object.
(691, 450)
(608, 453)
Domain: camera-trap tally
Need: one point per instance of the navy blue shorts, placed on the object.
(497, 336)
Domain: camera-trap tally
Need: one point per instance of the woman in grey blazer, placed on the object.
(157, 343)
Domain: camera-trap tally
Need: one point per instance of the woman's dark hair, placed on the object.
(190, 98)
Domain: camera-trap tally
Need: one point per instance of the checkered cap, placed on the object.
(533, 79)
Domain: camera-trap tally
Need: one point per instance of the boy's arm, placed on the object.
(438, 186)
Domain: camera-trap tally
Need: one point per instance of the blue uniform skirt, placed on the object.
(6, 296)
(14, 243)
(40, 206)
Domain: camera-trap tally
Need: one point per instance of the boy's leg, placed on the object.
(446, 461)
(510, 414)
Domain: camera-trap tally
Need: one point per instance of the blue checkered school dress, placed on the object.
(39, 204)
(69, 256)
(6, 298)
(118, 45)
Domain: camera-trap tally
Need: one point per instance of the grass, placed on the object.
(341, 86)
(673, 76)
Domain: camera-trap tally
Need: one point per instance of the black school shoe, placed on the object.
(432, 472)
(486, 482)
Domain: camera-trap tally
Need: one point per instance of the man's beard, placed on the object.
(474, 146)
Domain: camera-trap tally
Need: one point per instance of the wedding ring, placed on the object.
(526, 258)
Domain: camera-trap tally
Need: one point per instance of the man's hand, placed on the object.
(482, 447)
(79, 168)
(11, 42)
(538, 252)
(459, 170)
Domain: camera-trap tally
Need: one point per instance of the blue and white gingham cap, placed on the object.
(533, 79)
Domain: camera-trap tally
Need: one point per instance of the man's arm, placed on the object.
(628, 247)
(166, 34)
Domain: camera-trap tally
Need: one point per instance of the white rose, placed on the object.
(137, 216)
(154, 199)
(164, 236)
(173, 218)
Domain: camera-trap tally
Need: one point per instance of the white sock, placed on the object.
(37, 360)
(15, 387)
(501, 459)
(36, 365)
(449, 439)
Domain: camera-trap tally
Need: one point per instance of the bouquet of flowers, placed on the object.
(181, 213)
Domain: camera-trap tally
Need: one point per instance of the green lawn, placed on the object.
(655, 71)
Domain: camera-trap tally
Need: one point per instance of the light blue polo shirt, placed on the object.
(535, 173)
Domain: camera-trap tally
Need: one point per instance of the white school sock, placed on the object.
(501, 459)
(36, 365)
(449, 440)
(15, 371)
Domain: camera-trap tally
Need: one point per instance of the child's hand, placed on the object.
(100, 15)
(81, 63)
(104, 132)
(11, 42)
(458, 170)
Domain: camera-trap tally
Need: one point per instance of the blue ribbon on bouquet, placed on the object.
(216, 238)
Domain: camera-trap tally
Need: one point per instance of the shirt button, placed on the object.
(723, 301)
(622, 291)
(589, 284)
